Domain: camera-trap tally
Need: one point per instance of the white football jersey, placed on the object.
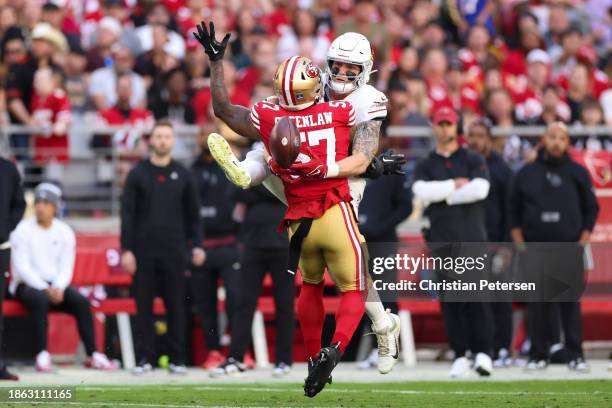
(369, 103)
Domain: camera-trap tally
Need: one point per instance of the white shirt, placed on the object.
(42, 258)
(104, 82)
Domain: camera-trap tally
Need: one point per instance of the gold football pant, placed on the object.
(334, 241)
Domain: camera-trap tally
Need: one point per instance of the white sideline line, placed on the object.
(409, 392)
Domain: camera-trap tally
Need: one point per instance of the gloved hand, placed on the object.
(310, 165)
(385, 164)
(212, 47)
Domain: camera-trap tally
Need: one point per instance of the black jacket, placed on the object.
(263, 215)
(387, 201)
(217, 200)
(160, 210)
(496, 212)
(12, 203)
(552, 200)
(454, 223)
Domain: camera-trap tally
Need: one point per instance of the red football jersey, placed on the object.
(325, 128)
(137, 118)
(47, 111)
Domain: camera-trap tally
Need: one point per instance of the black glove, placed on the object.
(212, 47)
(392, 163)
(385, 164)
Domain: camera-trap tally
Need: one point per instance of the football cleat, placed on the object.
(232, 167)
(388, 344)
(320, 368)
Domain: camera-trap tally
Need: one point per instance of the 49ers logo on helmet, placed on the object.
(312, 71)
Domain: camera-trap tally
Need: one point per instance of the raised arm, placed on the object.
(235, 116)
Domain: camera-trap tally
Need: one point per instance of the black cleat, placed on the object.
(319, 370)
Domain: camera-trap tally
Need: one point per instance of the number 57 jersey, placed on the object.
(325, 128)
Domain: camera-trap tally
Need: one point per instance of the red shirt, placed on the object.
(47, 111)
(325, 127)
(599, 82)
(202, 99)
(136, 117)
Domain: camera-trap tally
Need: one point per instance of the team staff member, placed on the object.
(159, 221)
(265, 250)
(454, 183)
(12, 206)
(552, 200)
(387, 201)
(480, 141)
(217, 203)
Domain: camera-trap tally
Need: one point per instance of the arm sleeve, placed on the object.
(476, 190)
(66, 261)
(254, 117)
(18, 204)
(427, 190)
(515, 210)
(588, 201)
(191, 207)
(128, 211)
(20, 261)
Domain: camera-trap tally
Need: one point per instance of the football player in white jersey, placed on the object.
(349, 65)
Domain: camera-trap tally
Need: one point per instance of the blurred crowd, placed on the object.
(133, 61)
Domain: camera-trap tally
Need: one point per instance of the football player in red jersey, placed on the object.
(320, 218)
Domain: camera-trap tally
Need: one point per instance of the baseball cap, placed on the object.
(538, 56)
(445, 114)
(48, 192)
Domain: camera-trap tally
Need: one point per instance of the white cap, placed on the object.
(538, 56)
(44, 31)
(111, 24)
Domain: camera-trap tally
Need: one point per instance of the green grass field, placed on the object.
(589, 393)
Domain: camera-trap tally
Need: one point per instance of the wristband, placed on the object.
(332, 170)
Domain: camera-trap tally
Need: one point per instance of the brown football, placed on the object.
(285, 142)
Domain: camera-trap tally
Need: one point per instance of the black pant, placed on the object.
(541, 314)
(37, 302)
(5, 258)
(153, 273)
(502, 325)
(221, 263)
(255, 263)
(469, 326)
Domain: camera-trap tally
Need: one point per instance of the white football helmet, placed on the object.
(351, 48)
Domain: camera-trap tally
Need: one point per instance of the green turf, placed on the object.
(591, 393)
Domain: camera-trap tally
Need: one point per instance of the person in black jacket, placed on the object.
(265, 250)
(480, 140)
(217, 201)
(454, 182)
(387, 201)
(159, 221)
(552, 200)
(12, 206)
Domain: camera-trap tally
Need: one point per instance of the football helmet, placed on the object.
(297, 83)
(350, 48)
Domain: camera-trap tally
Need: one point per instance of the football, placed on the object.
(285, 142)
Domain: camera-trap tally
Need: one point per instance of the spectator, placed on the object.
(528, 98)
(590, 117)
(42, 264)
(554, 109)
(174, 103)
(263, 57)
(51, 112)
(454, 182)
(433, 36)
(217, 203)
(476, 56)
(46, 42)
(480, 141)
(77, 79)
(136, 120)
(434, 70)
(565, 58)
(578, 91)
(558, 24)
(303, 39)
(201, 101)
(103, 84)
(107, 35)
(462, 96)
(159, 15)
(366, 20)
(12, 206)
(407, 65)
(159, 222)
(552, 200)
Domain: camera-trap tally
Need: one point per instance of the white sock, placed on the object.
(255, 164)
(376, 311)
